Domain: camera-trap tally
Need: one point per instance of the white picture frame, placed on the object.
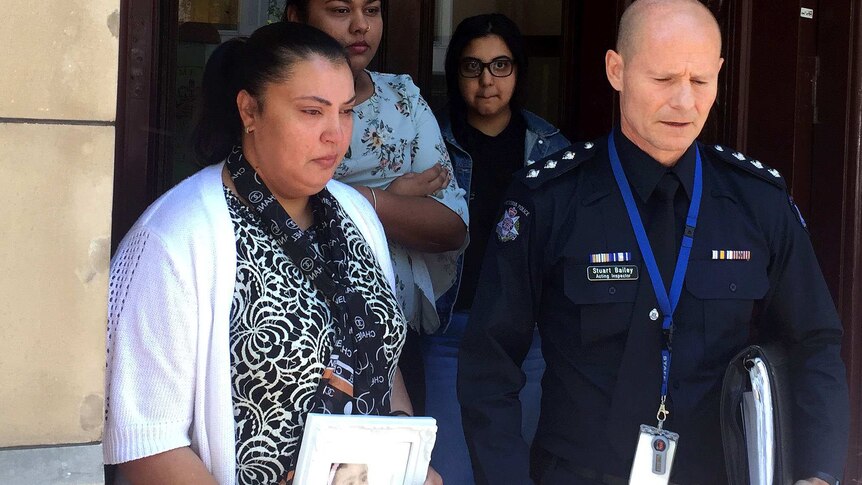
(393, 450)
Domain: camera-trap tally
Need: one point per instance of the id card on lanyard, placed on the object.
(657, 446)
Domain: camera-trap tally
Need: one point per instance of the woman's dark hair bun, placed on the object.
(267, 56)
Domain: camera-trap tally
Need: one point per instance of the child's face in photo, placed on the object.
(351, 474)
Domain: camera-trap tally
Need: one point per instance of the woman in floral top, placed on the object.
(398, 160)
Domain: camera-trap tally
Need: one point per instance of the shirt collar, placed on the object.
(644, 172)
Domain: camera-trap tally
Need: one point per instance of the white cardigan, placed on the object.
(171, 288)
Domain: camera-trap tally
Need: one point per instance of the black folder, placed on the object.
(756, 419)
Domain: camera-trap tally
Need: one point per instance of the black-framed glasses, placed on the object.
(498, 67)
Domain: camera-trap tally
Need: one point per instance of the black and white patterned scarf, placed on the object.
(355, 371)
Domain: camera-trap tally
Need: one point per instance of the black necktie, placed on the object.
(636, 395)
(662, 227)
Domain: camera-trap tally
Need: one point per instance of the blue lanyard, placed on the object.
(666, 302)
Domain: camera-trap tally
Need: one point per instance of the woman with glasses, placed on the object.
(398, 161)
(489, 138)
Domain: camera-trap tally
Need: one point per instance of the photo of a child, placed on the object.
(348, 474)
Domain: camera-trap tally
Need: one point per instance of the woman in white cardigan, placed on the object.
(237, 293)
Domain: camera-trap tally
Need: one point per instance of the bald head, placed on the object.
(648, 15)
(666, 72)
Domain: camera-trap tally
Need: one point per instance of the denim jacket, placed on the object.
(542, 139)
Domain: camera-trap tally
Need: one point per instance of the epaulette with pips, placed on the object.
(755, 167)
(538, 172)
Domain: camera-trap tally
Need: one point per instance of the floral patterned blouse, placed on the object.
(394, 132)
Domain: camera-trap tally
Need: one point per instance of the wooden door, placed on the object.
(143, 123)
(797, 107)
(835, 214)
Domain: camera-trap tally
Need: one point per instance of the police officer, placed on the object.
(648, 261)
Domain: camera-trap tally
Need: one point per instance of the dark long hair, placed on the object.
(474, 28)
(267, 56)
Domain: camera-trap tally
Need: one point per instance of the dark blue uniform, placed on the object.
(565, 256)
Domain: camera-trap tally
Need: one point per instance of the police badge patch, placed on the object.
(509, 225)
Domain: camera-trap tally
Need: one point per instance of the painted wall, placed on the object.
(59, 82)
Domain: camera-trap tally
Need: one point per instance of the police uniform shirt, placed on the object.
(563, 230)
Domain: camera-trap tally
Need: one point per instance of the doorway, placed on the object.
(789, 94)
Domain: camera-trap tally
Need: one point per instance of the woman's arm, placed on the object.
(400, 398)
(401, 402)
(415, 222)
(150, 361)
(180, 467)
(424, 209)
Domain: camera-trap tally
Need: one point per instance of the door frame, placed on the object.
(144, 123)
(144, 112)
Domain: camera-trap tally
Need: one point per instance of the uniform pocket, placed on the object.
(728, 290)
(605, 307)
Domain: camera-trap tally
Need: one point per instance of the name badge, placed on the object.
(616, 272)
(653, 456)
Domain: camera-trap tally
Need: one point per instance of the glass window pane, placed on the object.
(222, 14)
(203, 24)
